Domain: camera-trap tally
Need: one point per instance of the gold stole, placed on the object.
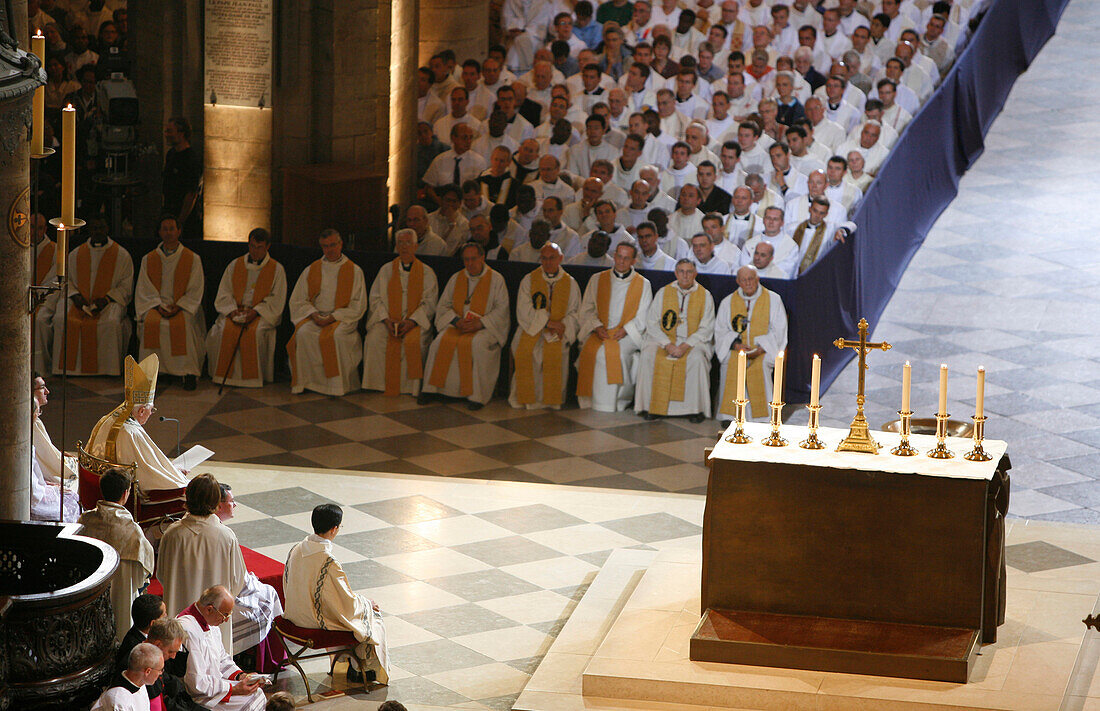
(586, 362)
(414, 364)
(556, 301)
(670, 374)
(452, 340)
(345, 281)
(84, 330)
(754, 369)
(814, 246)
(232, 332)
(177, 327)
(44, 261)
(737, 35)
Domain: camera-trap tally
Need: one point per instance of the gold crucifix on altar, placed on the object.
(859, 437)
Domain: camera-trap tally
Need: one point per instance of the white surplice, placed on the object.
(533, 321)
(146, 297)
(44, 315)
(486, 343)
(198, 552)
(48, 456)
(209, 668)
(113, 326)
(319, 596)
(270, 312)
(46, 498)
(772, 342)
(307, 364)
(697, 360)
(113, 524)
(256, 608)
(374, 343)
(154, 469)
(607, 397)
(123, 698)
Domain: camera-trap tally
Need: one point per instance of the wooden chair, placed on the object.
(338, 643)
(148, 508)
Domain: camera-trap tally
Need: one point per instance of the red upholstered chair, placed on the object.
(148, 508)
(338, 643)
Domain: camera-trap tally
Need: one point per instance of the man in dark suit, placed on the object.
(143, 611)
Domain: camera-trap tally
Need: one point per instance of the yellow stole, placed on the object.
(177, 327)
(345, 281)
(410, 344)
(556, 301)
(586, 362)
(670, 374)
(452, 340)
(83, 330)
(231, 331)
(814, 246)
(754, 369)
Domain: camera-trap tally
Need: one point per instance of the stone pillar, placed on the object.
(236, 171)
(403, 100)
(15, 322)
(461, 25)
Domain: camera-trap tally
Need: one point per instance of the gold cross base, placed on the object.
(859, 437)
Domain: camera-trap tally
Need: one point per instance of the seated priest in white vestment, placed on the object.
(102, 276)
(399, 322)
(547, 313)
(168, 304)
(240, 347)
(120, 435)
(257, 604)
(49, 501)
(212, 678)
(751, 319)
(128, 691)
(111, 523)
(199, 551)
(612, 328)
(45, 272)
(48, 456)
(674, 368)
(319, 595)
(325, 306)
(472, 321)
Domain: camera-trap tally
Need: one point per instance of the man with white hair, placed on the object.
(870, 147)
(128, 691)
(763, 197)
(547, 316)
(798, 209)
(695, 135)
(657, 198)
(751, 319)
(785, 255)
(399, 322)
(428, 243)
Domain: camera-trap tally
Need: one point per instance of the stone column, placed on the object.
(403, 100)
(15, 323)
(461, 25)
(236, 171)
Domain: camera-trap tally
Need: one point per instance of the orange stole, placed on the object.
(586, 362)
(556, 301)
(84, 329)
(410, 344)
(345, 281)
(177, 327)
(44, 261)
(231, 331)
(670, 374)
(452, 340)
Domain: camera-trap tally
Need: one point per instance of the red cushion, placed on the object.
(88, 489)
(320, 639)
(268, 570)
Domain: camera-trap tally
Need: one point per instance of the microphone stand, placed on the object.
(173, 419)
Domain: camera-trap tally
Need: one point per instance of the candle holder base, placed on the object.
(978, 454)
(46, 153)
(940, 451)
(738, 436)
(76, 224)
(812, 441)
(773, 439)
(904, 449)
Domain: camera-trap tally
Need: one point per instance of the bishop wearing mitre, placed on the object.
(102, 273)
(119, 436)
(751, 319)
(472, 321)
(325, 306)
(251, 296)
(399, 325)
(674, 371)
(168, 304)
(547, 311)
(612, 328)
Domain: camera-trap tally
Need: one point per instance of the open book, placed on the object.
(192, 458)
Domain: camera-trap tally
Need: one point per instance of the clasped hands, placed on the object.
(676, 350)
(614, 334)
(97, 304)
(469, 324)
(320, 319)
(750, 353)
(399, 327)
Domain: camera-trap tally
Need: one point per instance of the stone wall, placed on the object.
(461, 25)
(237, 171)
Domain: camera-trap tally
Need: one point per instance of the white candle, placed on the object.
(61, 251)
(38, 127)
(68, 165)
(906, 382)
(740, 375)
(777, 381)
(943, 390)
(979, 408)
(815, 380)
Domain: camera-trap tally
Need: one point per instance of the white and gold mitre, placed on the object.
(141, 380)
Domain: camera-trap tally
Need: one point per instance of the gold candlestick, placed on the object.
(812, 442)
(978, 454)
(738, 436)
(940, 451)
(904, 449)
(774, 440)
